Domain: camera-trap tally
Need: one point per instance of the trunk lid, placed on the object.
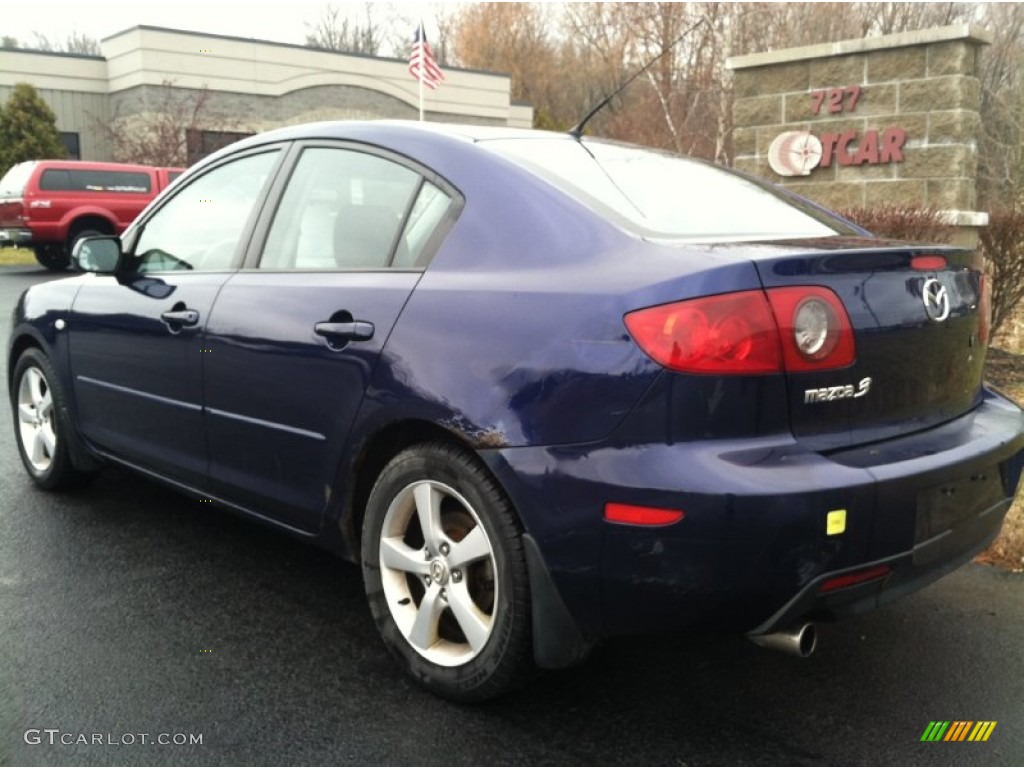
(919, 332)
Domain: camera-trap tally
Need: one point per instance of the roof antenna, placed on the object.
(577, 131)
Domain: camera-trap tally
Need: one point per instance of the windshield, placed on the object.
(14, 181)
(663, 195)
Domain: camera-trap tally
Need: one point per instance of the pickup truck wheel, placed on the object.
(53, 257)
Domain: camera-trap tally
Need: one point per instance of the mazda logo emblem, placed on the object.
(936, 300)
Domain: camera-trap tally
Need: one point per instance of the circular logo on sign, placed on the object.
(794, 153)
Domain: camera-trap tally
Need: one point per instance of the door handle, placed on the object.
(181, 317)
(356, 330)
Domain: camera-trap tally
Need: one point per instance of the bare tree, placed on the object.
(336, 31)
(1000, 155)
(159, 133)
(76, 42)
(439, 20)
(442, 45)
(512, 38)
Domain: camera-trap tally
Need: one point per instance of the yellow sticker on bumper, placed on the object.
(835, 522)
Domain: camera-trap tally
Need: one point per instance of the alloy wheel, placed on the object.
(36, 419)
(438, 573)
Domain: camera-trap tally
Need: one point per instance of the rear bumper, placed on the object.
(908, 572)
(753, 548)
(15, 236)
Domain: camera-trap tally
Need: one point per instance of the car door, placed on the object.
(135, 339)
(293, 340)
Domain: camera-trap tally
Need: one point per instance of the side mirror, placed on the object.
(98, 254)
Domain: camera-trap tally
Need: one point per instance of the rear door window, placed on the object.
(346, 209)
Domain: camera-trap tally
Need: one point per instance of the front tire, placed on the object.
(445, 574)
(40, 424)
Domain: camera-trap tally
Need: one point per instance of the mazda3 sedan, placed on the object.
(543, 390)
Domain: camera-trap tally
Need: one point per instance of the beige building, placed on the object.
(247, 86)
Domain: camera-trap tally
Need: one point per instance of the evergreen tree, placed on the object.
(28, 129)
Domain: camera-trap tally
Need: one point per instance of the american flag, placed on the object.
(421, 61)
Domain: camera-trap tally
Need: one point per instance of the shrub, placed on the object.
(28, 129)
(1002, 243)
(902, 222)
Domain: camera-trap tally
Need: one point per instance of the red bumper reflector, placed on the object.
(631, 514)
(858, 577)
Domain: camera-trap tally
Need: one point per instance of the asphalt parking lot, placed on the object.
(126, 609)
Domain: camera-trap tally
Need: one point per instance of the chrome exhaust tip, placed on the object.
(800, 640)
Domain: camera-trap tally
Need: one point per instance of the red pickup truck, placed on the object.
(47, 205)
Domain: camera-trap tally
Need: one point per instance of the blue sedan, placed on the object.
(544, 390)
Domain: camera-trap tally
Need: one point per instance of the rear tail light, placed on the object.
(814, 327)
(731, 333)
(749, 332)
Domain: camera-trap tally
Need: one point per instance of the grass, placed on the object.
(22, 256)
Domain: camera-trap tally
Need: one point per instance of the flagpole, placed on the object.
(420, 78)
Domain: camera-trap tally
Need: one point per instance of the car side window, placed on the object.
(342, 209)
(200, 227)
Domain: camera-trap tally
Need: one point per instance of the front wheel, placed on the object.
(40, 425)
(445, 574)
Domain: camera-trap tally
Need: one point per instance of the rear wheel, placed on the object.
(53, 257)
(40, 423)
(445, 574)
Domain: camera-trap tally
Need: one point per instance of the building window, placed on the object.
(203, 143)
(70, 142)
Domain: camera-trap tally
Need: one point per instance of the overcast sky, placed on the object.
(282, 21)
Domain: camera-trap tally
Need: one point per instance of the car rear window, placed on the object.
(14, 181)
(664, 195)
(81, 180)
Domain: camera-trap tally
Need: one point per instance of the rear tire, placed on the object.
(445, 574)
(40, 424)
(53, 257)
